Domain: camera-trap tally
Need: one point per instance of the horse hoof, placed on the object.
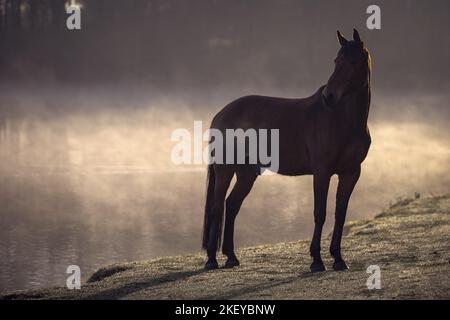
(318, 267)
(211, 265)
(231, 263)
(340, 266)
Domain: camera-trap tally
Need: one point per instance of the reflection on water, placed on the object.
(53, 217)
(51, 221)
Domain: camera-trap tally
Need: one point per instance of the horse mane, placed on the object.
(369, 66)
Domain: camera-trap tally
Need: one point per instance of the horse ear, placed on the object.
(341, 38)
(356, 37)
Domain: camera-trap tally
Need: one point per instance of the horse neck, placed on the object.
(356, 110)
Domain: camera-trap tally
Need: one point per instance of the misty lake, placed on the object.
(86, 119)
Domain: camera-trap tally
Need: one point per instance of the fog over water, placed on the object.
(86, 120)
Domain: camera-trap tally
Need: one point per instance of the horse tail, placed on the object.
(210, 182)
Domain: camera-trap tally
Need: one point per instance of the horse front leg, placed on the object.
(321, 185)
(347, 182)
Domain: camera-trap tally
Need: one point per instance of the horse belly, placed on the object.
(293, 158)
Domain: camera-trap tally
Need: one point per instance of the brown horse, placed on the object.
(322, 135)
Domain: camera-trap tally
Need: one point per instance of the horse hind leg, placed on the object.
(223, 176)
(246, 177)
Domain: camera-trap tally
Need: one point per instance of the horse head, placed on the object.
(351, 72)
